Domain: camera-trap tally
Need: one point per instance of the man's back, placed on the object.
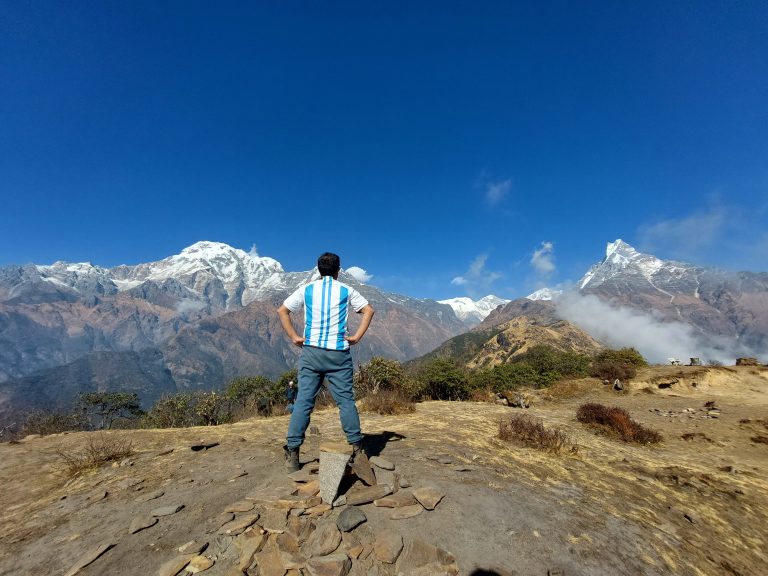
(326, 304)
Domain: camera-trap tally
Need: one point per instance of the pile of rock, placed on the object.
(276, 531)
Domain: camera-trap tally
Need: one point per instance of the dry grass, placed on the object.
(570, 388)
(616, 422)
(99, 450)
(387, 402)
(531, 432)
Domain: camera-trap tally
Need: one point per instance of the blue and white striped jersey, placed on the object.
(326, 310)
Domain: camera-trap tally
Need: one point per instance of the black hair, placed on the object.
(328, 264)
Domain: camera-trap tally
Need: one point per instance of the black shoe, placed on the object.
(291, 459)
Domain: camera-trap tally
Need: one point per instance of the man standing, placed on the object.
(325, 352)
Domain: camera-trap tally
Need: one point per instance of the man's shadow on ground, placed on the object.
(374, 444)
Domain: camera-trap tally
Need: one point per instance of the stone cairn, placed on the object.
(312, 530)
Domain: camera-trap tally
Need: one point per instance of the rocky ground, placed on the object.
(464, 501)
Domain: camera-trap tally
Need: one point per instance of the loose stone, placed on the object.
(380, 462)
(368, 494)
(167, 510)
(388, 546)
(139, 524)
(350, 518)
(89, 557)
(240, 506)
(333, 565)
(199, 564)
(406, 512)
(324, 540)
(238, 525)
(428, 496)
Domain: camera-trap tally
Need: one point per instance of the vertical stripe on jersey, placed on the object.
(308, 313)
(343, 300)
(331, 300)
(322, 311)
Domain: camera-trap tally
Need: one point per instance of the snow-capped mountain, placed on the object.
(544, 294)
(216, 273)
(202, 316)
(472, 312)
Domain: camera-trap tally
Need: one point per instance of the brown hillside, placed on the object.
(518, 335)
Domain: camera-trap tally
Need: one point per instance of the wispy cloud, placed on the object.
(477, 280)
(495, 192)
(543, 261)
(359, 274)
(687, 237)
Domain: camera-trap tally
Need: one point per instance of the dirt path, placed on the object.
(689, 507)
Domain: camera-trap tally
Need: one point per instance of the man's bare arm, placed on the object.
(367, 311)
(285, 320)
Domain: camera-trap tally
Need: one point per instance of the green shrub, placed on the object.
(617, 364)
(443, 379)
(172, 411)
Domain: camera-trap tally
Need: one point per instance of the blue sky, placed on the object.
(501, 143)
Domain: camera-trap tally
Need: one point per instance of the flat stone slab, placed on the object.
(199, 564)
(175, 565)
(388, 546)
(324, 540)
(150, 496)
(332, 468)
(332, 565)
(406, 512)
(418, 557)
(296, 501)
(368, 494)
(397, 500)
(428, 496)
(241, 506)
(382, 463)
(142, 523)
(89, 557)
(238, 525)
(350, 518)
(311, 488)
(270, 561)
(167, 510)
(386, 477)
(248, 544)
(273, 519)
(268, 494)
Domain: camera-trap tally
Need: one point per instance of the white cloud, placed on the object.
(253, 253)
(359, 274)
(495, 192)
(477, 279)
(543, 260)
(657, 340)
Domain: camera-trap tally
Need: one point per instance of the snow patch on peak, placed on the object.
(544, 294)
(473, 311)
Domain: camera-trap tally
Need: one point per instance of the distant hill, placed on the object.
(512, 330)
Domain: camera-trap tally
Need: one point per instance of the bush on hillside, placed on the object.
(617, 364)
(102, 409)
(97, 451)
(616, 422)
(539, 367)
(530, 432)
(45, 422)
(443, 379)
